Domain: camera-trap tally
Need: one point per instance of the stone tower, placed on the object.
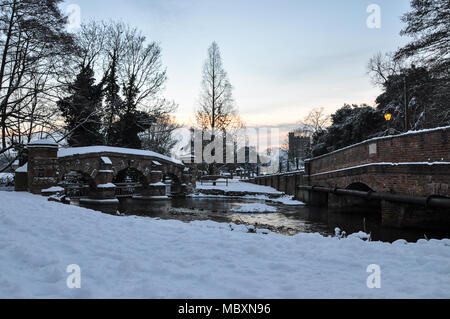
(42, 165)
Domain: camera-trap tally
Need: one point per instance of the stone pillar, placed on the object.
(155, 177)
(401, 215)
(42, 165)
(104, 188)
(317, 199)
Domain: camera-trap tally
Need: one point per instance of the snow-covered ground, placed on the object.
(138, 257)
(235, 185)
(248, 190)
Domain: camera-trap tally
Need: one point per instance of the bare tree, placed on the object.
(129, 69)
(216, 107)
(382, 66)
(314, 122)
(216, 112)
(33, 43)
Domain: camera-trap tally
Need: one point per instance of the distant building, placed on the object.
(299, 147)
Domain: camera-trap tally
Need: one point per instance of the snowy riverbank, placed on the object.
(237, 188)
(137, 257)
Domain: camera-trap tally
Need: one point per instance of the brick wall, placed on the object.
(431, 146)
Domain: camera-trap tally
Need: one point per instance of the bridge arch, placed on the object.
(77, 183)
(130, 175)
(359, 186)
(174, 182)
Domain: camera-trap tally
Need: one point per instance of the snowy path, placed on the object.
(135, 257)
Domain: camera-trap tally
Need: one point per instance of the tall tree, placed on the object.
(216, 107)
(82, 110)
(413, 92)
(416, 79)
(216, 111)
(133, 80)
(33, 44)
(429, 24)
(114, 105)
(132, 122)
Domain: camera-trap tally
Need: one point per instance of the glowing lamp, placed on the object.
(388, 117)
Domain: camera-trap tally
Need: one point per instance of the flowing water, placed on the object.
(289, 220)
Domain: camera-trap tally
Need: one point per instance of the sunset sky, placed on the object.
(282, 57)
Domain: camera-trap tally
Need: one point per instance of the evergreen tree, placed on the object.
(414, 88)
(126, 131)
(428, 24)
(82, 110)
(114, 105)
(351, 124)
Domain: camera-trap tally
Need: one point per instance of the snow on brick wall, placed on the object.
(426, 146)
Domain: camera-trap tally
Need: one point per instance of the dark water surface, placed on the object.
(288, 220)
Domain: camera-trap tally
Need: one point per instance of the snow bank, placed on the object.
(137, 257)
(249, 191)
(54, 189)
(285, 200)
(238, 186)
(255, 208)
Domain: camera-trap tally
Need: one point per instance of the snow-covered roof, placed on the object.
(65, 152)
(46, 142)
(23, 169)
(106, 160)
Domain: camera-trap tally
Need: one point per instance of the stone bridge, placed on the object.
(102, 170)
(400, 174)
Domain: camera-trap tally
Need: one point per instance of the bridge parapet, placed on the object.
(406, 173)
(425, 146)
(99, 167)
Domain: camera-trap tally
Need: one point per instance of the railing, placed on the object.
(214, 180)
(76, 191)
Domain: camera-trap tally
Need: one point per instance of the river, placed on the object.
(288, 220)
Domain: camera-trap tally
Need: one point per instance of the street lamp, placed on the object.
(388, 118)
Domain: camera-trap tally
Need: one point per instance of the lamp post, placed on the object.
(388, 118)
(405, 101)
